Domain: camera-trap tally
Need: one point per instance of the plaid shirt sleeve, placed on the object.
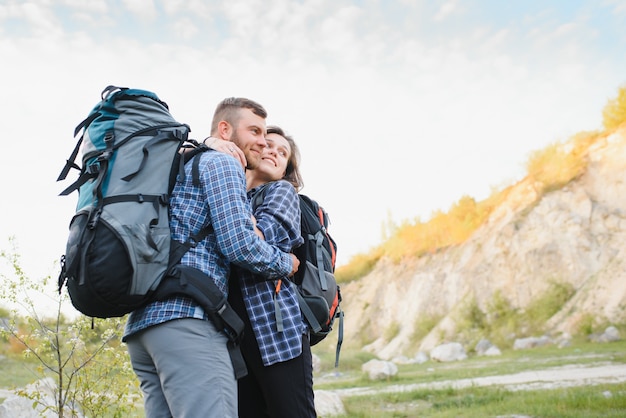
(230, 217)
(278, 217)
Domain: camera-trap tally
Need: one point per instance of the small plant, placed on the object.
(90, 371)
(391, 331)
(503, 320)
(423, 325)
(546, 305)
(471, 322)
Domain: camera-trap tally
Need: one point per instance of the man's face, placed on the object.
(249, 135)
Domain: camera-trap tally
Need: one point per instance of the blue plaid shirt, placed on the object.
(220, 202)
(278, 217)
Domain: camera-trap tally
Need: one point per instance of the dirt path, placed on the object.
(557, 377)
(552, 378)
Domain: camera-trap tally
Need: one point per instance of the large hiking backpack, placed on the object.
(319, 294)
(120, 255)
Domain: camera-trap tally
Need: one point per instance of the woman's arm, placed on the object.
(278, 217)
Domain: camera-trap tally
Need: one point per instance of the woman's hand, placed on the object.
(226, 147)
(257, 230)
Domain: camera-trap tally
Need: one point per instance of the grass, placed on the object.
(585, 401)
(577, 402)
(15, 372)
(603, 400)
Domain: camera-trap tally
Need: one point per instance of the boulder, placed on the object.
(328, 404)
(379, 369)
(448, 352)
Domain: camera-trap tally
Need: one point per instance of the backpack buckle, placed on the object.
(105, 156)
(93, 169)
(94, 218)
(109, 137)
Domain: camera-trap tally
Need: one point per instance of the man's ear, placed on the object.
(224, 130)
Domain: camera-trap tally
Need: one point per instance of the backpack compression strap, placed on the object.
(324, 222)
(71, 161)
(191, 282)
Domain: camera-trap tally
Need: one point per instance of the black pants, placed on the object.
(282, 390)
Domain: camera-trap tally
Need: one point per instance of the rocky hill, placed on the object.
(574, 236)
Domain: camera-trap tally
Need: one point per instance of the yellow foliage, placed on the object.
(442, 230)
(614, 113)
(358, 266)
(556, 165)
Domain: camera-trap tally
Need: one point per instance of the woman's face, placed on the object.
(274, 158)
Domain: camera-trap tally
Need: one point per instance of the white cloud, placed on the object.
(389, 117)
(92, 6)
(447, 8)
(185, 28)
(40, 19)
(144, 10)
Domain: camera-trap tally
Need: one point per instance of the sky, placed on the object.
(400, 107)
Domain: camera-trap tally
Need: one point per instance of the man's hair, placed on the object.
(292, 173)
(228, 110)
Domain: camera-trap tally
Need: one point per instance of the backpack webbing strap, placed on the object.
(308, 314)
(160, 136)
(339, 337)
(82, 179)
(195, 167)
(325, 222)
(278, 314)
(259, 195)
(319, 256)
(71, 161)
(191, 282)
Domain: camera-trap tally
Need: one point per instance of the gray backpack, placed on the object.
(120, 255)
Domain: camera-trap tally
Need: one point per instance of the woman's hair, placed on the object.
(228, 110)
(292, 173)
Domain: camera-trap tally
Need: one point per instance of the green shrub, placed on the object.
(542, 308)
(391, 331)
(422, 326)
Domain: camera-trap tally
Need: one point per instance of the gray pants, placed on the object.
(184, 370)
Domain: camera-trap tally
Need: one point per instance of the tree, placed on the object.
(91, 370)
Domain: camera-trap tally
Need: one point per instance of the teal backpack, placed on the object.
(119, 254)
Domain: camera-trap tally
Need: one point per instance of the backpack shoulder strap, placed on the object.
(258, 196)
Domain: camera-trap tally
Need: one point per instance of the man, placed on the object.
(180, 358)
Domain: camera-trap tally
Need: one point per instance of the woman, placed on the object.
(275, 346)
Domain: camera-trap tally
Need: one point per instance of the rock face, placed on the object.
(575, 235)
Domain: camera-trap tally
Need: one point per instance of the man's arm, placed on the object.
(225, 188)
